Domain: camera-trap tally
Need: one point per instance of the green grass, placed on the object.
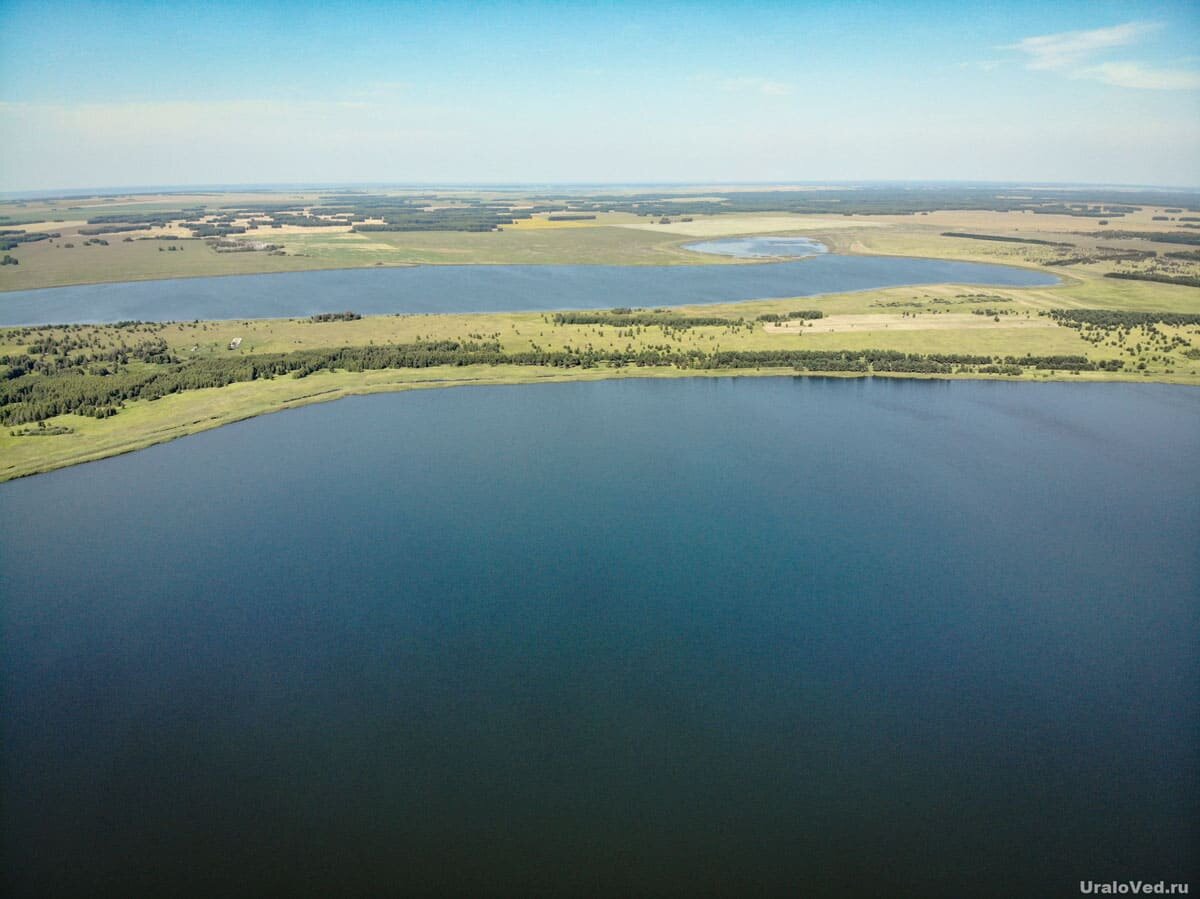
(512, 246)
(43, 264)
(46, 264)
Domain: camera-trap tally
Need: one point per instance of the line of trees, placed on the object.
(1157, 236)
(624, 318)
(1184, 280)
(53, 379)
(1110, 318)
(794, 314)
(1004, 239)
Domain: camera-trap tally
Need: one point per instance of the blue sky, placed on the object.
(95, 94)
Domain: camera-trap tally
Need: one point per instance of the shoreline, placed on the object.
(377, 381)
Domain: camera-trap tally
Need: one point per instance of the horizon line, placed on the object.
(267, 187)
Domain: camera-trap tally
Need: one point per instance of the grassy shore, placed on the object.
(927, 320)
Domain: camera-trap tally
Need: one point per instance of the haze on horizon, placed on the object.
(124, 94)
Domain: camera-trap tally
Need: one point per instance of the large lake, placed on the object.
(487, 288)
(716, 636)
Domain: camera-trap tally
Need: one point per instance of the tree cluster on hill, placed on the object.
(11, 239)
(794, 314)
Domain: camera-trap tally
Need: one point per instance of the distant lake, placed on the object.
(737, 636)
(486, 288)
(759, 247)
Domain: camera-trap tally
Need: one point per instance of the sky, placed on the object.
(186, 93)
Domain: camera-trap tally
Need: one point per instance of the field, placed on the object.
(950, 331)
(297, 231)
(930, 320)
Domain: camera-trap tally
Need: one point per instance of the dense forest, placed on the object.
(1110, 318)
(96, 371)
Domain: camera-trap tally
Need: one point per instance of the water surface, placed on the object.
(486, 288)
(731, 636)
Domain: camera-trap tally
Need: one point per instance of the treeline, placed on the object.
(795, 313)
(1065, 363)
(1158, 236)
(1106, 254)
(11, 239)
(628, 318)
(1000, 237)
(1184, 280)
(35, 394)
(425, 223)
(872, 199)
(1083, 210)
(145, 219)
(335, 317)
(204, 229)
(1109, 318)
(48, 388)
(307, 221)
(113, 229)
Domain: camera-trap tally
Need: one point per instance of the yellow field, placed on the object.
(728, 225)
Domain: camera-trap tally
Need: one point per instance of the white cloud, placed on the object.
(1074, 53)
(1071, 48)
(1132, 74)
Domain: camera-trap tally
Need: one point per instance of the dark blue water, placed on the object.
(735, 637)
(486, 288)
(759, 247)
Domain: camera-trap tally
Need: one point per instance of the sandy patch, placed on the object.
(50, 226)
(541, 223)
(949, 321)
